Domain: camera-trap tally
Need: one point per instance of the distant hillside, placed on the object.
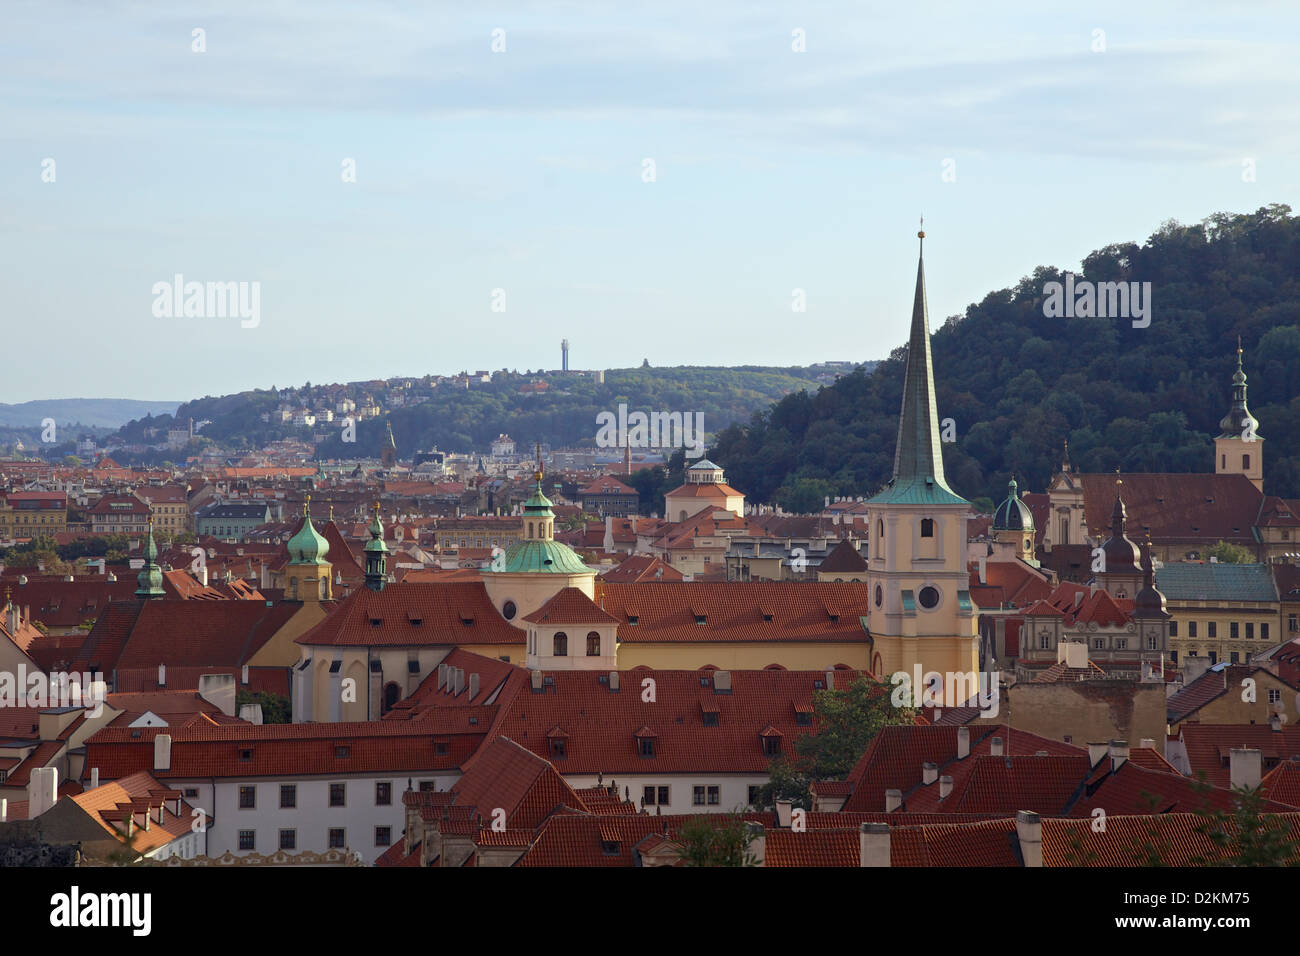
(551, 407)
(1017, 384)
(91, 412)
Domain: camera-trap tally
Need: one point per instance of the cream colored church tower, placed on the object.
(921, 610)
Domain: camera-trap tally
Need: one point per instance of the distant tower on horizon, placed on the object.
(564, 355)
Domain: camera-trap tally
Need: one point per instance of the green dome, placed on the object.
(376, 542)
(308, 546)
(1013, 514)
(545, 557)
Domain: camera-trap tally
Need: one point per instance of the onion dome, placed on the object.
(150, 576)
(1149, 603)
(308, 546)
(1239, 422)
(1013, 514)
(1122, 555)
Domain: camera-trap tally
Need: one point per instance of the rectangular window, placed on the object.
(1173, 628)
(1274, 696)
(1293, 622)
(755, 794)
(697, 796)
(1232, 657)
(288, 795)
(383, 836)
(1151, 643)
(338, 838)
(1214, 628)
(336, 794)
(646, 747)
(1263, 631)
(1191, 628)
(1173, 657)
(1214, 657)
(247, 798)
(426, 785)
(246, 839)
(288, 839)
(714, 796)
(1250, 630)
(383, 794)
(1232, 629)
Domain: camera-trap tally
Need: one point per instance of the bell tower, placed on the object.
(921, 609)
(1238, 450)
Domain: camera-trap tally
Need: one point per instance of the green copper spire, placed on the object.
(918, 456)
(376, 555)
(538, 551)
(1239, 422)
(308, 546)
(150, 576)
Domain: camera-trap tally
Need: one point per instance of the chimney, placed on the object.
(613, 680)
(1074, 653)
(758, 842)
(473, 686)
(94, 777)
(1118, 753)
(873, 844)
(929, 773)
(995, 747)
(162, 752)
(243, 674)
(1245, 767)
(983, 569)
(945, 786)
(536, 677)
(162, 675)
(963, 742)
(460, 679)
(1078, 598)
(1029, 830)
(1096, 752)
(1147, 743)
(893, 800)
(784, 813)
(4, 810)
(1275, 723)
(830, 678)
(42, 791)
(721, 681)
(442, 676)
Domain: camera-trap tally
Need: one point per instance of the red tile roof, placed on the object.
(570, 606)
(800, 611)
(458, 612)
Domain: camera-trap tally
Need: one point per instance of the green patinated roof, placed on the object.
(546, 557)
(918, 457)
(308, 546)
(1217, 582)
(150, 576)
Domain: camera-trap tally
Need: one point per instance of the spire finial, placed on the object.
(920, 233)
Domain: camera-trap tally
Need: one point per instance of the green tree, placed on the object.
(1246, 835)
(1228, 553)
(846, 721)
(717, 839)
(275, 709)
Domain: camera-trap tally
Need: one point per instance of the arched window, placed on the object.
(392, 693)
(593, 644)
(880, 538)
(530, 529)
(561, 644)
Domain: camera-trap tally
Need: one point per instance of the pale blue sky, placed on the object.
(522, 170)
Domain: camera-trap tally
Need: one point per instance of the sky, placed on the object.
(648, 180)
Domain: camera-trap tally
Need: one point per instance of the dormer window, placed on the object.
(645, 747)
(701, 619)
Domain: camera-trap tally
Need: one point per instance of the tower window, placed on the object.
(561, 644)
(1245, 461)
(927, 527)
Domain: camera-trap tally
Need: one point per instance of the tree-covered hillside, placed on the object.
(1018, 384)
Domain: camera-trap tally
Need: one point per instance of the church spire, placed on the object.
(918, 456)
(1239, 423)
(150, 576)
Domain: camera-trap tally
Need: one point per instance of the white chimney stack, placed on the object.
(995, 747)
(893, 800)
(1118, 753)
(162, 752)
(94, 777)
(473, 686)
(963, 743)
(1245, 767)
(873, 844)
(1029, 830)
(162, 675)
(929, 773)
(945, 787)
(42, 791)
